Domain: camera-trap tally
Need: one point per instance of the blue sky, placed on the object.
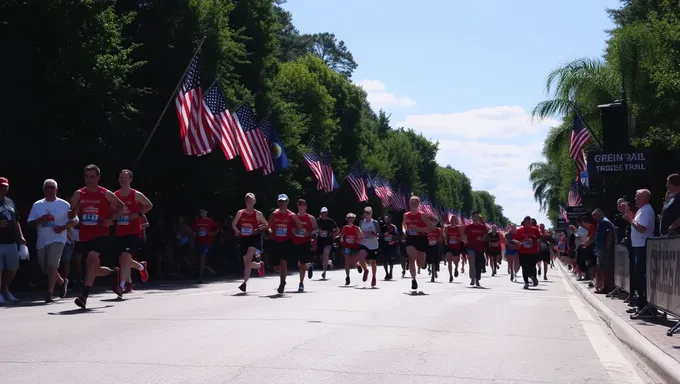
(467, 74)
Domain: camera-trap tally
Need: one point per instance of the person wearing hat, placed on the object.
(528, 237)
(302, 242)
(349, 239)
(328, 230)
(416, 225)
(11, 237)
(282, 224)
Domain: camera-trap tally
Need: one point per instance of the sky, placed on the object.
(466, 74)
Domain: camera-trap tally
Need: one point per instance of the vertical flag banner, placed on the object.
(219, 121)
(278, 154)
(580, 137)
(356, 181)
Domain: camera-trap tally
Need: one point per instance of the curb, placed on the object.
(658, 361)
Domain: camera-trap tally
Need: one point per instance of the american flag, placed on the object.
(322, 170)
(426, 208)
(263, 135)
(196, 140)
(248, 146)
(356, 181)
(384, 192)
(219, 121)
(575, 191)
(580, 137)
(563, 214)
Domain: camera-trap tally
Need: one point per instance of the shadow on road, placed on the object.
(78, 311)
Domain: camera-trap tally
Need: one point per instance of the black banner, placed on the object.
(574, 213)
(621, 267)
(561, 225)
(608, 164)
(663, 274)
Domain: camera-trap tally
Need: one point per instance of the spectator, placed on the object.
(670, 214)
(642, 227)
(623, 206)
(10, 239)
(604, 249)
(582, 249)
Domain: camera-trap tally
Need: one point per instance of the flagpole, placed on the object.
(340, 184)
(172, 97)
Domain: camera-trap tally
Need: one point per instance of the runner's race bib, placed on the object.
(90, 216)
(281, 231)
(323, 234)
(527, 243)
(433, 242)
(247, 230)
(124, 220)
(494, 245)
(453, 240)
(349, 239)
(300, 232)
(412, 232)
(49, 222)
(202, 232)
(388, 238)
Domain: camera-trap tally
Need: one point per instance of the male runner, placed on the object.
(248, 225)
(416, 225)
(528, 236)
(302, 242)
(328, 230)
(128, 230)
(98, 208)
(474, 239)
(452, 233)
(282, 223)
(390, 246)
(204, 230)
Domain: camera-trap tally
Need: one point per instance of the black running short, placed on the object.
(127, 243)
(302, 253)
(452, 251)
(432, 254)
(417, 242)
(246, 242)
(544, 256)
(281, 250)
(371, 254)
(389, 253)
(493, 253)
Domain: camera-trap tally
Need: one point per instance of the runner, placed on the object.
(389, 246)
(370, 242)
(543, 252)
(349, 234)
(434, 238)
(474, 239)
(402, 254)
(528, 235)
(452, 233)
(204, 229)
(492, 240)
(248, 225)
(11, 236)
(302, 242)
(512, 252)
(328, 230)
(98, 208)
(416, 225)
(282, 222)
(128, 230)
(50, 216)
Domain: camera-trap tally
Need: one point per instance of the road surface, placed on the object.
(449, 333)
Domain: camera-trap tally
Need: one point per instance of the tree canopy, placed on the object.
(89, 78)
(641, 64)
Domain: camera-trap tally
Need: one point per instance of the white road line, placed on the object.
(620, 370)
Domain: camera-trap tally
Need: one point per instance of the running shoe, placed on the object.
(242, 287)
(63, 290)
(365, 275)
(128, 288)
(323, 274)
(455, 273)
(347, 280)
(81, 302)
(373, 282)
(301, 287)
(144, 274)
(450, 279)
(414, 284)
(310, 270)
(535, 280)
(260, 271)
(9, 296)
(281, 287)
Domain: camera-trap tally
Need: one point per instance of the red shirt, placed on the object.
(475, 237)
(453, 237)
(592, 229)
(528, 240)
(124, 225)
(434, 236)
(94, 208)
(350, 236)
(302, 235)
(414, 220)
(283, 225)
(203, 226)
(248, 223)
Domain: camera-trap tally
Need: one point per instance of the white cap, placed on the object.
(283, 197)
(324, 209)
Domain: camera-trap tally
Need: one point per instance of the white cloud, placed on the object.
(495, 122)
(494, 147)
(379, 98)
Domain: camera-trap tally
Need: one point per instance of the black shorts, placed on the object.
(493, 253)
(371, 254)
(389, 252)
(544, 256)
(302, 253)
(280, 250)
(78, 248)
(246, 242)
(101, 245)
(417, 242)
(452, 251)
(127, 243)
(321, 244)
(432, 254)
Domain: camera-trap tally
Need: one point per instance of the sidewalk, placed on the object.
(645, 337)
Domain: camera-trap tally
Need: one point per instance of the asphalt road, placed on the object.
(448, 333)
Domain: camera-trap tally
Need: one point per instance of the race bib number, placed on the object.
(527, 244)
(412, 232)
(202, 232)
(388, 238)
(300, 232)
(90, 217)
(323, 234)
(494, 245)
(247, 230)
(281, 231)
(433, 242)
(124, 220)
(349, 239)
(49, 222)
(453, 240)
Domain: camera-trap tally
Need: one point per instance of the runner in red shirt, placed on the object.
(204, 229)
(416, 225)
(248, 225)
(302, 242)
(282, 223)
(473, 236)
(493, 242)
(98, 208)
(528, 236)
(350, 235)
(434, 241)
(452, 235)
(129, 229)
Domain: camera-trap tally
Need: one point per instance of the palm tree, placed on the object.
(546, 179)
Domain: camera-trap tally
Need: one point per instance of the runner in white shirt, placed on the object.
(50, 217)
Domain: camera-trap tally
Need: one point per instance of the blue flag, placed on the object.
(279, 157)
(370, 187)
